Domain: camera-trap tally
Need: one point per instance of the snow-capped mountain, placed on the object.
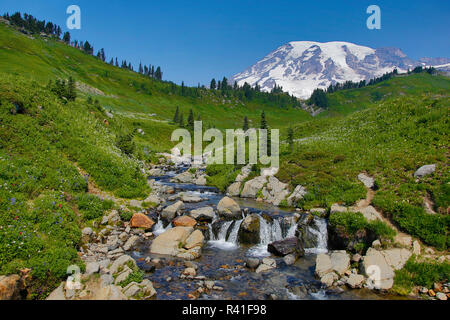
(302, 66)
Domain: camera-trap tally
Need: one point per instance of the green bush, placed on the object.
(92, 207)
(136, 276)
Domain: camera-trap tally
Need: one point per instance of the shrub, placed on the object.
(92, 207)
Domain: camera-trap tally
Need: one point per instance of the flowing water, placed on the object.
(223, 256)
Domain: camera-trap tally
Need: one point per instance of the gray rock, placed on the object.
(131, 289)
(228, 208)
(441, 296)
(131, 242)
(184, 177)
(171, 211)
(92, 267)
(202, 214)
(335, 208)
(298, 194)
(290, 259)
(252, 263)
(252, 187)
(379, 272)
(120, 262)
(329, 278)
(58, 293)
(188, 198)
(122, 276)
(106, 280)
(340, 261)
(323, 264)
(275, 191)
(355, 281)
(245, 171)
(425, 170)
(234, 189)
(369, 182)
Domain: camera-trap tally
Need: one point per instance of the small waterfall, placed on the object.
(291, 231)
(321, 234)
(159, 228)
(222, 241)
(268, 232)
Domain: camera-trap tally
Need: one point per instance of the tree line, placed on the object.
(29, 24)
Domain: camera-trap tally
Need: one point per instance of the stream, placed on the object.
(223, 257)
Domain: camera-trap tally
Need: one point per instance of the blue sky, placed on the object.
(197, 40)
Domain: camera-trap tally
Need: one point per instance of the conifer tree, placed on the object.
(212, 85)
(263, 120)
(190, 121)
(176, 116)
(181, 120)
(245, 126)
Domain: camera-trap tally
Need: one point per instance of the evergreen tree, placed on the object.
(290, 139)
(212, 85)
(158, 73)
(176, 116)
(263, 120)
(66, 37)
(88, 48)
(245, 126)
(141, 70)
(190, 121)
(182, 88)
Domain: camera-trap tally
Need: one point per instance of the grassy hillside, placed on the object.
(390, 141)
(127, 92)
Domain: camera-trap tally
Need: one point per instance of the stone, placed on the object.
(190, 272)
(416, 247)
(252, 263)
(252, 187)
(106, 280)
(249, 230)
(396, 258)
(290, 259)
(189, 198)
(336, 208)
(275, 191)
(356, 257)
(57, 294)
(266, 265)
(131, 289)
(135, 203)
(368, 182)
(234, 189)
(370, 213)
(376, 244)
(441, 296)
(171, 211)
(131, 243)
(245, 171)
(355, 280)
(184, 177)
(209, 284)
(340, 261)
(425, 170)
(323, 264)
(123, 275)
(147, 287)
(202, 214)
(156, 172)
(200, 181)
(92, 267)
(380, 274)
(286, 246)
(403, 240)
(86, 234)
(140, 220)
(154, 199)
(184, 221)
(329, 278)
(170, 241)
(121, 262)
(298, 194)
(195, 239)
(110, 292)
(228, 208)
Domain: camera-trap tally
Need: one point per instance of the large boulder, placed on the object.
(140, 220)
(425, 170)
(184, 221)
(191, 198)
(323, 264)
(195, 239)
(228, 208)
(202, 214)
(249, 230)
(380, 274)
(121, 262)
(200, 181)
(171, 211)
(170, 241)
(298, 194)
(286, 246)
(396, 257)
(184, 177)
(275, 191)
(252, 187)
(340, 261)
(234, 189)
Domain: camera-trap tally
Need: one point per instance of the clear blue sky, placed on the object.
(197, 40)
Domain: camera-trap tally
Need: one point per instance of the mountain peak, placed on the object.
(302, 66)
